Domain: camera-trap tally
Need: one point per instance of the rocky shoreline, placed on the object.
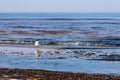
(34, 74)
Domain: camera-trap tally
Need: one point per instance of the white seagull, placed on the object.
(37, 44)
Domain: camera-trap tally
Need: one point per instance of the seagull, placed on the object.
(37, 44)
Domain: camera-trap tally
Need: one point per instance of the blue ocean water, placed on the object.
(60, 26)
(60, 15)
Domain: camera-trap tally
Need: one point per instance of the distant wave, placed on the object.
(32, 18)
(105, 42)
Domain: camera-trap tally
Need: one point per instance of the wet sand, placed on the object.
(32, 74)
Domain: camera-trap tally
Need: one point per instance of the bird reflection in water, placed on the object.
(37, 54)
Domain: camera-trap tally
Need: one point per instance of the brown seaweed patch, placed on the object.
(53, 32)
(87, 32)
(2, 31)
(111, 37)
(27, 33)
(22, 32)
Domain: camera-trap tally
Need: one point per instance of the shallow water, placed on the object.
(59, 60)
(69, 65)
